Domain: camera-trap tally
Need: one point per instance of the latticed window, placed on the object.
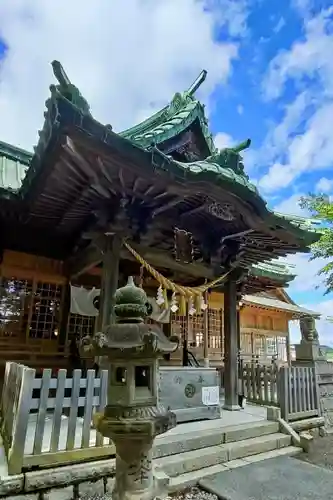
(259, 345)
(45, 311)
(271, 346)
(215, 328)
(80, 326)
(29, 309)
(15, 298)
(194, 327)
(246, 343)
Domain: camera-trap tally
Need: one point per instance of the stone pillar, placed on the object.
(231, 345)
(134, 470)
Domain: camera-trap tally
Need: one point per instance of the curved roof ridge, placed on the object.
(15, 153)
(172, 119)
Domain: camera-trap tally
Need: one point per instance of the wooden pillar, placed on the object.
(222, 335)
(65, 311)
(252, 345)
(185, 360)
(206, 332)
(109, 281)
(288, 349)
(231, 345)
(109, 284)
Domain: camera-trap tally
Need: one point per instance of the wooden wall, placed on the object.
(256, 317)
(26, 266)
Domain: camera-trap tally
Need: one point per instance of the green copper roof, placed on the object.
(170, 121)
(273, 270)
(304, 223)
(224, 169)
(13, 166)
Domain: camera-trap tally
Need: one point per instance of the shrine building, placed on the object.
(90, 207)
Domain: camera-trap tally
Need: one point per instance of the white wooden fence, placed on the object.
(298, 393)
(39, 420)
(39, 417)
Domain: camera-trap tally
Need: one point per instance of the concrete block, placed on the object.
(273, 413)
(322, 432)
(241, 432)
(257, 445)
(11, 485)
(287, 451)
(234, 464)
(306, 441)
(63, 476)
(161, 483)
(59, 494)
(23, 497)
(180, 443)
(192, 478)
(192, 460)
(91, 489)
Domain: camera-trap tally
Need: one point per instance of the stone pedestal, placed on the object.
(308, 352)
(134, 470)
(133, 431)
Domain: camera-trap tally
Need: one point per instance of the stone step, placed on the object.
(174, 443)
(192, 478)
(193, 460)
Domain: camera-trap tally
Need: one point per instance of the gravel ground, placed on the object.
(321, 454)
(187, 494)
(192, 494)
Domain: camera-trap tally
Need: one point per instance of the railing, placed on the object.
(259, 383)
(10, 402)
(298, 393)
(39, 421)
(294, 389)
(192, 359)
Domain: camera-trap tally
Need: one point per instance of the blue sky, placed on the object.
(270, 78)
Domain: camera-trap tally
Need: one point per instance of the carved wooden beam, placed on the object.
(161, 260)
(82, 261)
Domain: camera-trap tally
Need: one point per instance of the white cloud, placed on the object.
(280, 24)
(324, 185)
(306, 271)
(127, 57)
(310, 57)
(291, 206)
(240, 109)
(305, 143)
(222, 140)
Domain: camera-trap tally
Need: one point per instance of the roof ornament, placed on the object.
(230, 158)
(180, 100)
(197, 83)
(68, 90)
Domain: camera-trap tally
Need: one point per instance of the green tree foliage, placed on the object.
(321, 207)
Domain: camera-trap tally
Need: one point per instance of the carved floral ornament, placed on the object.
(221, 211)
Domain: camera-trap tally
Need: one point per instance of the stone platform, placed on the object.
(280, 478)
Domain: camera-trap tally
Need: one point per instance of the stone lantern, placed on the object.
(133, 416)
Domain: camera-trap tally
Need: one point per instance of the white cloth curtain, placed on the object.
(82, 303)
